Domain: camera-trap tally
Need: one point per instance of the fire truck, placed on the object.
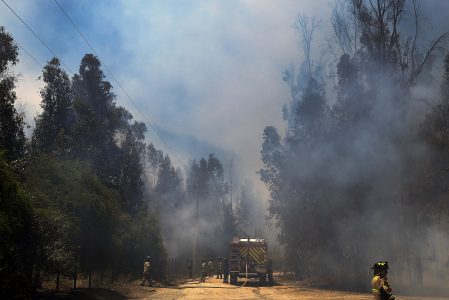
(248, 259)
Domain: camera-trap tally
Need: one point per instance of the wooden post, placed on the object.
(36, 278)
(90, 278)
(174, 267)
(168, 268)
(75, 277)
(101, 278)
(57, 281)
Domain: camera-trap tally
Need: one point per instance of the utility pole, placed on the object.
(230, 179)
(195, 237)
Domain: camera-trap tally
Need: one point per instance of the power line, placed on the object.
(76, 27)
(37, 36)
(29, 54)
(118, 83)
(106, 66)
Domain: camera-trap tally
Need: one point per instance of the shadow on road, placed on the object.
(84, 294)
(256, 284)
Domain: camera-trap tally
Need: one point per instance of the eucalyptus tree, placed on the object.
(54, 125)
(12, 136)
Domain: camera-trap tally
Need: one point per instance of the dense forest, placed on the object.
(361, 173)
(86, 193)
(71, 194)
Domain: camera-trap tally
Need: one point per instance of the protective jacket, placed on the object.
(381, 289)
(146, 267)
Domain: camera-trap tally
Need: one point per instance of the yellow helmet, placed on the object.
(378, 266)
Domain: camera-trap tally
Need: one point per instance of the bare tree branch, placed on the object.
(429, 52)
(306, 30)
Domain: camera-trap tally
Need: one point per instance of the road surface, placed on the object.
(215, 289)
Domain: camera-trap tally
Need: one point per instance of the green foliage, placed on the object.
(132, 165)
(12, 137)
(166, 187)
(80, 221)
(16, 247)
(207, 176)
(82, 176)
(98, 120)
(8, 51)
(54, 124)
(352, 105)
(69, 195)
(311, 112)
(168, 180)
(54, 234)
(140, 237)
(272, 155)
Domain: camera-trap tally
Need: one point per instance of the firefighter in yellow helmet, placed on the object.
(379, 285)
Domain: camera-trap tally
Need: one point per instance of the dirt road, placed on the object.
(215, 289)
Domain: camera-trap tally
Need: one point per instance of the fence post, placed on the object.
(75, 277)
(174, 268)
(168, 268)
(90, 278)
(57, 281)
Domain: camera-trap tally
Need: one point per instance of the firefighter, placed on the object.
(380, 287)
(189, 268)
(146, 271)
(270, 270)
(210, 267)
(219, 268)
(225, 270)
(203, 270)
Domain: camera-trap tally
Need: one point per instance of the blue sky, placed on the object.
(208, 69)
